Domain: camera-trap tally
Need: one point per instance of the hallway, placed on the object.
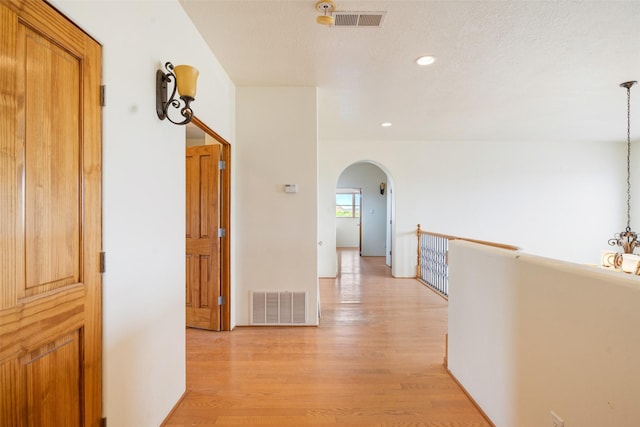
(375, 360)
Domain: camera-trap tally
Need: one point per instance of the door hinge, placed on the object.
(102, 263)
(103, 96)
(222, 165)
(222, 232)
(221, 300)
(103, 422)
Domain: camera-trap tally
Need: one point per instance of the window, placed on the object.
(348, 203)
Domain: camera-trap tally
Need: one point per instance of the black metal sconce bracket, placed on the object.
(162, 104)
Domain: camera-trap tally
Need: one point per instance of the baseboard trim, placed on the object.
(174, 407)
(464, 390)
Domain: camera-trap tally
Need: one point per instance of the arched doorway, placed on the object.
(369, 189)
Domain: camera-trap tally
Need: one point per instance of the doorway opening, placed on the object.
(208, 214)
(348, 208)
(368, 228)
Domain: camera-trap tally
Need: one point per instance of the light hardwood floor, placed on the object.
(375, 360)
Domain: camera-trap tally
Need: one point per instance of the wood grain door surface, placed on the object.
(202, 241)
(50, 220)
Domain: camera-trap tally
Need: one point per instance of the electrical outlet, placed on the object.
(556, 421)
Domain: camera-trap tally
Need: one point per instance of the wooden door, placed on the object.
(50, 220)
(203, 243)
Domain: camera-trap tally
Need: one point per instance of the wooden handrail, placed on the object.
(482, 242)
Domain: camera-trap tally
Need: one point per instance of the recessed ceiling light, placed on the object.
(385, 124)
(425, 60)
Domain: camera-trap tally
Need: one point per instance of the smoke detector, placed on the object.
(326, 7)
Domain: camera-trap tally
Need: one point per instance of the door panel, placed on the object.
(53, 378)
(50, 222)
(203, 243)
(53, 205)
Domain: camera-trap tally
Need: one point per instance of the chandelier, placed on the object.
(627, 239)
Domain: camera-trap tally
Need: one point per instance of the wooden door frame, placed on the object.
(225, 222)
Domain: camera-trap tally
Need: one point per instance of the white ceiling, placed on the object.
(504, 70)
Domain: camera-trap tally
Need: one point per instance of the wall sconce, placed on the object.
(382, 187)
(184, 78)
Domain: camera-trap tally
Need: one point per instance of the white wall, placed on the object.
(529, 335)
(276, 232)
(561, 200)
(368, 177)
(348, 232)
(635, 187)
(143, 198)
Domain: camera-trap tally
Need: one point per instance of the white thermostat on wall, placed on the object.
(291, 188)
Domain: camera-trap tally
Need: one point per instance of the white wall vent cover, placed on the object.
(278, 308)
(358, 19)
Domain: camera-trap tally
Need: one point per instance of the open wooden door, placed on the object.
(203, 241)
(50, 220)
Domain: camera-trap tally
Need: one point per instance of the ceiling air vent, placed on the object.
(358, 19)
